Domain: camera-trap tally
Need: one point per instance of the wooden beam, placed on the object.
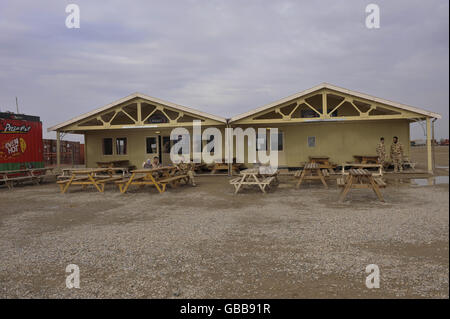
(338, 106)
(58, 149)
(139, 112)
(312, 108)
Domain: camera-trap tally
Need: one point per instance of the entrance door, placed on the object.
(152, 147)
(165, 144)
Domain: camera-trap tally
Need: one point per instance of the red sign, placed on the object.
(20, 141)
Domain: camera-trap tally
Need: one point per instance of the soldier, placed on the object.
(397, 154)
(381, 152)
(187, 169)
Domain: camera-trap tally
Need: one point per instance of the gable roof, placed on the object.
(133, 96)
(337, 89)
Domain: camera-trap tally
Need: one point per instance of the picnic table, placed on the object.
(158, 177)
(359, 165)
(116, 163)
(261, 176)
(224, 166)
(111, 171)
(365, 159)
(90, 176)
(360, 178)
(323, 160)
(312, 171)
(34, 175)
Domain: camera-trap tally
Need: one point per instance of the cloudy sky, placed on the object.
(223, 57)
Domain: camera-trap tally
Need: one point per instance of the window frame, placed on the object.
(156, 143)
(282, 141)
(308, 139)
(125, 148)
(265, 142)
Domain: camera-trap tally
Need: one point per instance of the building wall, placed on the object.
(136, 144)
(338, 140)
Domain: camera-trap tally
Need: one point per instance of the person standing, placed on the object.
(397, 154)
(381, 152)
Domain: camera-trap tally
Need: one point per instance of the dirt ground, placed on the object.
(206, 242)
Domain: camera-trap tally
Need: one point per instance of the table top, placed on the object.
(25, 170)
(362, 165)
(365, 156)
(319, 157)
(90, 170)
(114, 161)
(151, 170)
(261, 170)
(250, 171)
(359, 172)
(311, 166)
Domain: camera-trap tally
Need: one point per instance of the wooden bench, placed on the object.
(325, 172)
(380, 182)
(18, 176)
(173, 180)
(268, 180)
(341, 182)
(235, 181)
(62, 183)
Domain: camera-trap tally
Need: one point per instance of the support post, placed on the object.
(58, 149)
(324, 104)
(229, 149)
(429, 153)
(139, 113)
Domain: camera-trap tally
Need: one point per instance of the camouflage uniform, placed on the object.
(381, 153)
(397, 156)
(188, 170)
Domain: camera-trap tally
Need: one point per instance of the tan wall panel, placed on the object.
(338, 140)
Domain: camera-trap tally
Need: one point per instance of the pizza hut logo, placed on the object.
(6, 127)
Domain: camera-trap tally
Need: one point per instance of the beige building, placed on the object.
(325, 120)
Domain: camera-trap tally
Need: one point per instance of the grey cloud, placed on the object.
(222, 57)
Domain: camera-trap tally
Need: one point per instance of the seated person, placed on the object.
(155, 162)
(147, 163)
(188, 170)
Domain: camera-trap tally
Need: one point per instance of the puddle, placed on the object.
(429, 181)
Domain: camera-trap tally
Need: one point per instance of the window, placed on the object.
(279, 137)
(184, 145)
(121, 145)
(261, 142)
(151, 147)
(311, 141)
(210, 148)
(107, 146)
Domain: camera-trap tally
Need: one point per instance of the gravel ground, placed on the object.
(205, 242)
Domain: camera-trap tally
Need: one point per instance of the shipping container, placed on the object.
(20, 142)
(71, 153)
